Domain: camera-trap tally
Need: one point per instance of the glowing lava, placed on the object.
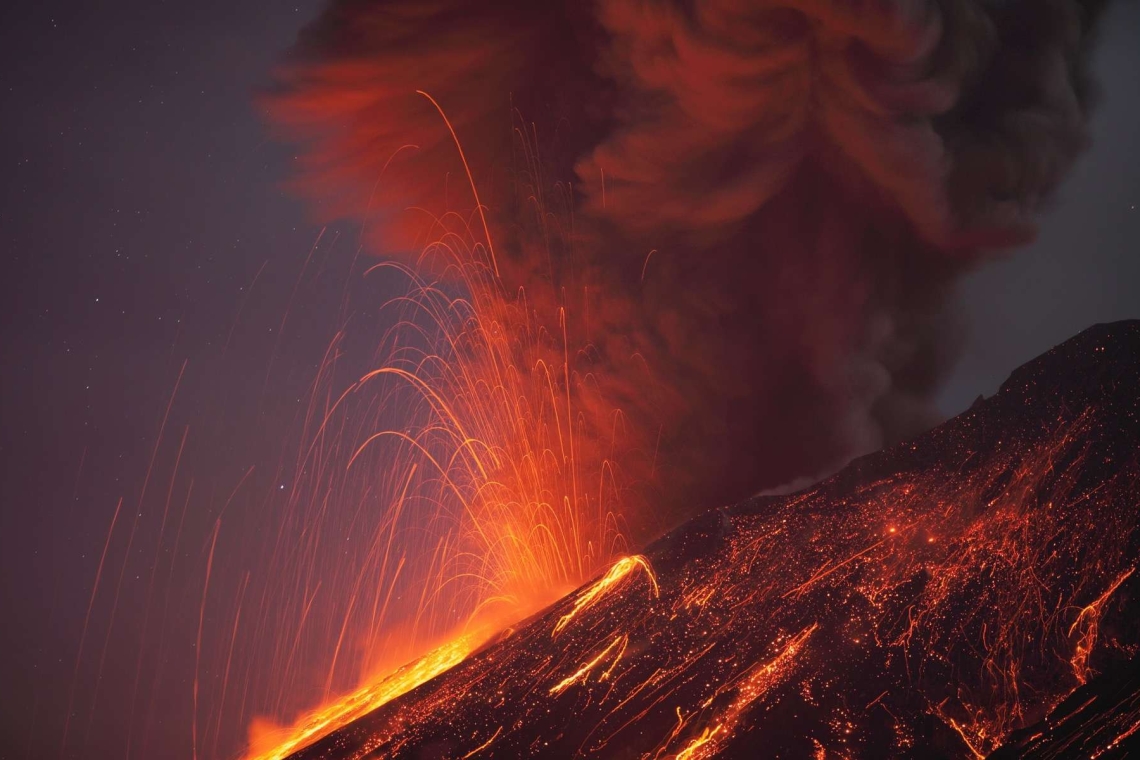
(362, 701)
(930, 600)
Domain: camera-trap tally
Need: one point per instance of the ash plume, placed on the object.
(763, 207)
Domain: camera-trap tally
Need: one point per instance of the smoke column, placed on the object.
(760, 209)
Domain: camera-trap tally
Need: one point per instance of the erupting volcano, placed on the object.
(590, 276)
(712, 253)
(932, 600)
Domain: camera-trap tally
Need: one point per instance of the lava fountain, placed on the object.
(500, 495)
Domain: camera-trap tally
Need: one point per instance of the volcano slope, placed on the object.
(934, 600)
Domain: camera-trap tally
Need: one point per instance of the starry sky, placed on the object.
(147, 236)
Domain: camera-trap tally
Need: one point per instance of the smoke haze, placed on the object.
(761, 208)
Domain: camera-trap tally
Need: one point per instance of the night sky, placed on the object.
(145, 225)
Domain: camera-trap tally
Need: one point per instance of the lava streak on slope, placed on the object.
(372, 695)
(929, 600)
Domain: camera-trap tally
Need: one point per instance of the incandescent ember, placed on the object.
(936, 599)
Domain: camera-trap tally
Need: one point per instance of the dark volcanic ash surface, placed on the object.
(933, 600)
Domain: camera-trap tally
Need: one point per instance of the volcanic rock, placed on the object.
(971, 588)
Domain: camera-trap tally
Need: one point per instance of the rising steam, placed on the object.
(759, 208)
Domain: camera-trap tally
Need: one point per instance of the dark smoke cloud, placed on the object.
(773, 199)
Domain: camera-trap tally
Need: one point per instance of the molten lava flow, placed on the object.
(607, 584)
(942, 594)
(362, 701)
